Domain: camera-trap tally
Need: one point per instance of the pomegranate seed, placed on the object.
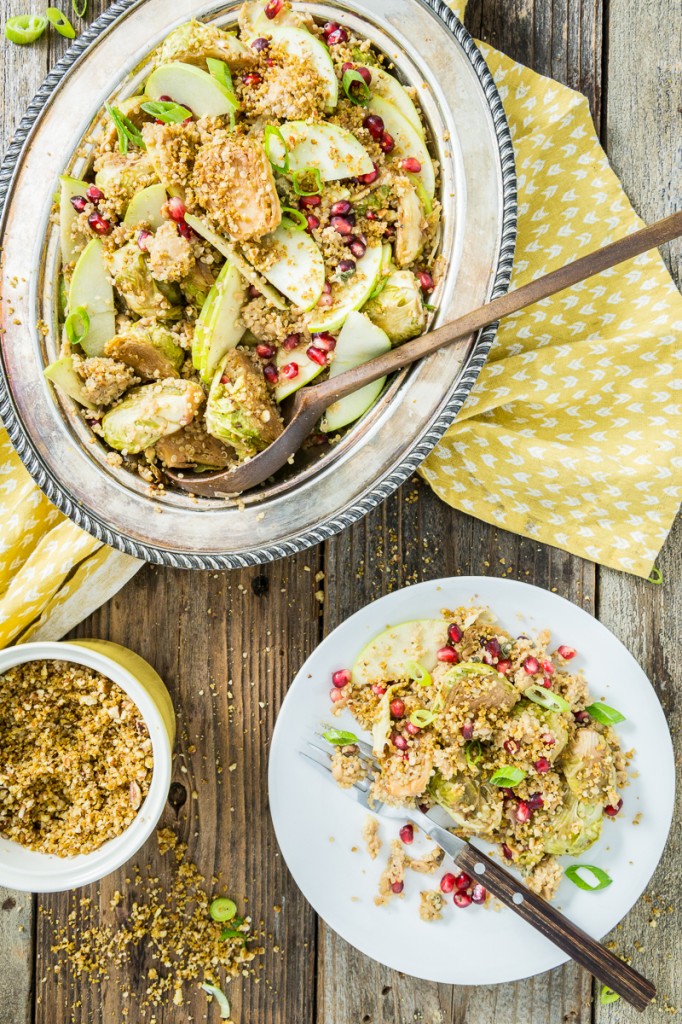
(412, 729)
(143, 240)
(398, 741)
(94, 194)
(79, 203)
(270, 373)
(566, 652)
(387, 142)
(185, 230)
(548, 739)
(329, 26)
(467, 730)
(166, 99)
(493, 651)
(253, 292)
(224, 379)
(291, 341)
(397, 708)
(325, 341)
(97, 222)
(447, 882)
(317, 355)
(523, 812)
(252, 78)
(535, 802)
(335, 696)
(273, 8)
(531, 665)
(412, 165)
(511, 746)
(337, 37)
(344, 225)
(454, 633)
(463, 881)
(613, 811)
(358, 247)
(265, 351)
(259, 45)
(503, 666)
(370, 177)
(582, 717)
(378, 689)
(547, 667)
(341, 678)
(462, 899)
(448, 654)
(307, 202)
(479, 894)
(407, 834)
(346, 268)
(326, 301)
(289, 371)
(547, 682)
(542, 765)
(340, 208)
(176, 208)
(327, 288)
(374, 125)
(397, 887)
(508, 793)
(312, 222)
(507, 852)
(366, 74)
(426, 282)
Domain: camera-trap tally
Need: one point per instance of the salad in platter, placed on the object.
(262, 212)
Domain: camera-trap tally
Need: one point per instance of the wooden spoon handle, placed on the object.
(511, 302)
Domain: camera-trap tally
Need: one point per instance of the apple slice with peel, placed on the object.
(92, 289)
(68, 188)
(253, 21)
(145, 207)
(389, 88)
(307, 371)
(351, 294)
(408, 142)
(303, 44)
(299, 273)
(192, 87)
(359, 341)
(335, 152)
(218, 328)
(62, 374)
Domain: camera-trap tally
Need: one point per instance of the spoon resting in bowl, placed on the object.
(310, 403)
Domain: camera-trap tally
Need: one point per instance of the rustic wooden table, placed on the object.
(248, 632)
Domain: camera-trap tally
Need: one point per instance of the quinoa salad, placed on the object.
(262, 213)
(493, 729)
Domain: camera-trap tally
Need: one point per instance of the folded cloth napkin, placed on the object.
(571, 435)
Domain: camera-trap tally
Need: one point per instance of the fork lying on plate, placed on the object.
(580, 946)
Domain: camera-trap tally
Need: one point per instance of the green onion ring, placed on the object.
(299, 221)
(77, 326)
(222, 909)
(603, 879)
(60, 22)
(546, 698)
(25, 28)
(272, 132)
(421, 718)
(298, 176)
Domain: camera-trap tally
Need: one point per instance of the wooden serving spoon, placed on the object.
(311, 402)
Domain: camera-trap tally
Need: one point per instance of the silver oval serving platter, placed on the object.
(314, 499)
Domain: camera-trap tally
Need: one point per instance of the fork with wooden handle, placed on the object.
(311, 402)
(541, 915)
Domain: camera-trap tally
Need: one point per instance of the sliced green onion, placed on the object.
(421, 717)
(299, 221)
(77, 325)
(473, 751)
(656, 576)
(472, 668)
(221, 72)
(220, 998)
(339, 738)
(126, 130)
(603, 880)
(222, 909)
(169, 113)
(351, 78)
(298, 177)
(379, 287)
(418, 673)
(607, 995)
(60, 23)
(79, 7)
(509, 776)
(604, 714)
(25, 28)
(546, 698)
(272, 133)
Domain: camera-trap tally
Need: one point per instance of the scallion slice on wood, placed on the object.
(220, 998)
(25, 28)
(604, 714)
(603, 880)
(222, 909)
(79, 7)
(546, 698)
(607, 995)
(60, 22)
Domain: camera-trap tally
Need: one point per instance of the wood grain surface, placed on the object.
(215, 634)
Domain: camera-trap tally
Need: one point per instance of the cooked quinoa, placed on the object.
(76, 758)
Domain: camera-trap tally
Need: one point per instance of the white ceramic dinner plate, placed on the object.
(319, 828)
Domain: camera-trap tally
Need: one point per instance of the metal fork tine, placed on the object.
(318, 755)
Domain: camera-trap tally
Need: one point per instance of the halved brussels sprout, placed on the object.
(240, 411)
(198, 284)
(409, 238)
(193, 448)
(150, 412)
(150, 348)
(137, 287)
(475, 808)
(398, 309)
(194, 41)
(474, 693)
(576, 826)
(121, 175)
(588, 765)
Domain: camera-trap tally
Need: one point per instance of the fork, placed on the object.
(581, 947)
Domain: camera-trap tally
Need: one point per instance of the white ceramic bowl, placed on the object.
(30, 871)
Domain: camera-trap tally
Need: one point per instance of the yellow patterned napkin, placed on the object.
(571, 435)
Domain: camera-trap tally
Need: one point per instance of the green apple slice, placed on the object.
(299, 273)
(303, 44)
(391, 655)
(307, 371)
(335, 152)
(359, 341)
(389, 88)
(190, 86)
(145, 207)
(350, 295)
(253, 21)
(69, 187)
(91, 288)
(218, 328)
(408, 142)
(67, 380)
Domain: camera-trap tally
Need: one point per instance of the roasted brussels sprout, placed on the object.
(475, 807)
(121, 175)
(193, 42)
(587, 763)
(240, 411)
(150, 412)
(576, 826)
(398, 309)
(150, 348)
(134, 282)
